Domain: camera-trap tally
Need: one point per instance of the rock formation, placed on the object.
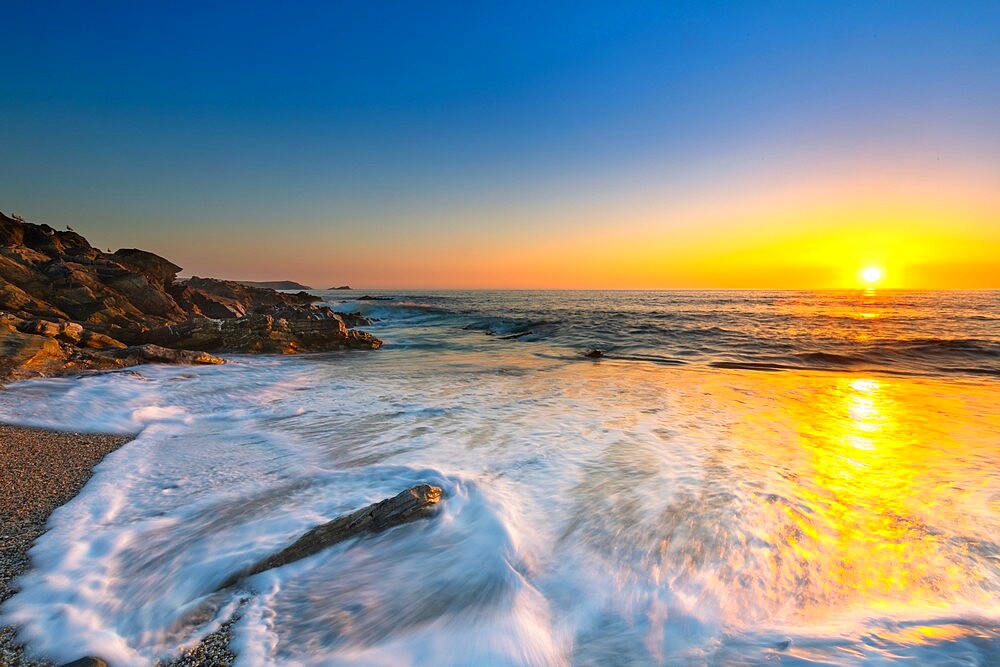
(262, 333)
(66, 306)
(414, 503)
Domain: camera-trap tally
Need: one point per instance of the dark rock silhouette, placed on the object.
(274, 284)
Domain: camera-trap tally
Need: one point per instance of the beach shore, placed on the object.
(41, 470)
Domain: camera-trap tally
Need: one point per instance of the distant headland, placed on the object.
(273, 284)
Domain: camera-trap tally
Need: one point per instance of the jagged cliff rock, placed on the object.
(68, 306)
(210, 297)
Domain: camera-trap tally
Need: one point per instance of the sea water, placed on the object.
(743, 478)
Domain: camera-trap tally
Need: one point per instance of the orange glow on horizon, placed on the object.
(815, 233)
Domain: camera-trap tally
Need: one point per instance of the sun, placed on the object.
(871, 274)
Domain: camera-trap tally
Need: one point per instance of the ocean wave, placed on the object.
(512, 328)
(902, 333)
(395, 310)
(937, 356)
(970, 347)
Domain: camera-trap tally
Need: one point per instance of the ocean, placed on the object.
(743, 478)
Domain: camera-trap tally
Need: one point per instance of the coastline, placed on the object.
(43, 469)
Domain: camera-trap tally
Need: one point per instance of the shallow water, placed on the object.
(597, 512)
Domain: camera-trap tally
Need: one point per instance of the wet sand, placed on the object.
(40, 471)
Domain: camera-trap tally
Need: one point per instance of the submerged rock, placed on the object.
(415, 503)
(368, 297)
(516, 335)
(594, 354)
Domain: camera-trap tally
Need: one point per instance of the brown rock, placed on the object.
(68, 332)
(239, 298)
(262, 334)
(163, 355)
(158, 271)
(415, 503)
(25, 355)
(55, 275)
(93, 340)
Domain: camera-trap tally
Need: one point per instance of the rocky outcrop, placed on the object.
(28, 355)
(163, 355)
(32, 348)
(258, 333)
(225, 298)
(67, 306)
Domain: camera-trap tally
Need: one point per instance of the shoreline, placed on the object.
(43, 470)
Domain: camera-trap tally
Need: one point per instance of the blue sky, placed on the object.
(323, 141)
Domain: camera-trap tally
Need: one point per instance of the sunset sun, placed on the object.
(871, 275)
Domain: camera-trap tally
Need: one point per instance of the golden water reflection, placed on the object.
(803, 500)
(882, 502)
